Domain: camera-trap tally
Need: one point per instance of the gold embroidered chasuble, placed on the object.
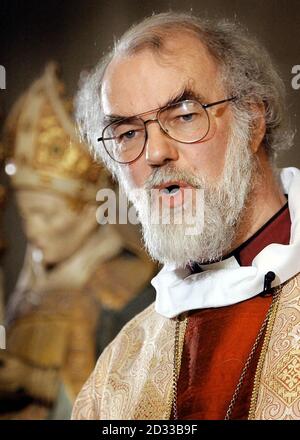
(133, 377)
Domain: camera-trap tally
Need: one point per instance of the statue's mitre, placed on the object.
(42, 145)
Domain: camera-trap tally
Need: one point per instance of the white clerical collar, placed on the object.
(225, 263)
(226, 282)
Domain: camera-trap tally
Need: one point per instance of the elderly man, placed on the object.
(184, 105)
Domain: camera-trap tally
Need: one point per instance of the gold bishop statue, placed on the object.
(80, 280)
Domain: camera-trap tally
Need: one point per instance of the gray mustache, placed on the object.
(164, 175)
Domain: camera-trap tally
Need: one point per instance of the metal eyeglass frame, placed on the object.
(156, 119)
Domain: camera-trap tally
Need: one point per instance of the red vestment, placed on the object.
(218, 341)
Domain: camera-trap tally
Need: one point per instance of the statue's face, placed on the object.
(51, 225)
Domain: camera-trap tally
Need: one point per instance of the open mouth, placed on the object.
(173, 193)
(172, 187)
(170, 190)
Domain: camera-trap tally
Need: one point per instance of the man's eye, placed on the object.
(127, 135)
(188, 117)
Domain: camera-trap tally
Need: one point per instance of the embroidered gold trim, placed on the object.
(262, 357)
(133, 379)
(180, 329)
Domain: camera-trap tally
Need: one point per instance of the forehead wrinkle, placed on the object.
(184, 65)
(185, 93)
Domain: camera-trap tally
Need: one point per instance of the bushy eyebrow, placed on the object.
(185, 93)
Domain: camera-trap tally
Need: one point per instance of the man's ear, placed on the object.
(258, 126)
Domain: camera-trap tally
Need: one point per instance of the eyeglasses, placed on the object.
(186, 122)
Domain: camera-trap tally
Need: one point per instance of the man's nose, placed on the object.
(160, 148)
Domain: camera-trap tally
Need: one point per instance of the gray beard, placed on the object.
(224, 203)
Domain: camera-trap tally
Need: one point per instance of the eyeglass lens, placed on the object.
(185, 122)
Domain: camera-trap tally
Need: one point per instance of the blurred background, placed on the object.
(75, 34)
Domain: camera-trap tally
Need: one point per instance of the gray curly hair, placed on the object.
(246, 68)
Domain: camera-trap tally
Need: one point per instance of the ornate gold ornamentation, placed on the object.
(276, 392)
(180, 329)
(286, 377)
(133, 377)
(41, 142)
(266, 323)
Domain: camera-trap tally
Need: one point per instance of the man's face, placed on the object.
(220, 164)
(142, 82)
